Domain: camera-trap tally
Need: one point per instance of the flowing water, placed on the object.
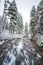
(17, 55)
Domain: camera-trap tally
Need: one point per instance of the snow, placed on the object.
(20, 46)
(27, 61)
(1, 55)
(25, 52)
(13, 41)
(39, 18)
(1, 42)
(40, 39)
(7, 35)
(14, 47)
(32, 62)
(38, 55)
(12, 59)
(23, 63)
(33, 49)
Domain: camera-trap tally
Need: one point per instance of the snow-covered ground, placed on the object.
(6, 35)
(1, 42)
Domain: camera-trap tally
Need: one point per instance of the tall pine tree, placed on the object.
(33, 21)
(12, 12)
(20, 23)
(40, 16)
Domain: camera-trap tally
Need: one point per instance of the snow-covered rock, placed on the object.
(1, 42)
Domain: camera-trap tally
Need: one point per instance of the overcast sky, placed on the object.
(24, 7)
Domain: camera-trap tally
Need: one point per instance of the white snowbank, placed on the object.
(23, 63)
(1, 42)
(38, 55)
(7, 35)
(13, 59)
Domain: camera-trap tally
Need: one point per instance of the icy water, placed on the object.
(17, 55)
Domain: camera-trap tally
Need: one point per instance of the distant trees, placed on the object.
(0, 19)
(26, 29)
(19, 23)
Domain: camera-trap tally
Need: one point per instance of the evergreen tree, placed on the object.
(33, 21)
(40, 16)
(12, 11)
(15, 17)
(4, 22)
(0, 23)
(26, 29)
(20, 23)
(3, 19)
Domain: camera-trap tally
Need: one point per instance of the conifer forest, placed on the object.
(21, 43)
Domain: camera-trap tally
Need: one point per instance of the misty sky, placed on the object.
(24, 7)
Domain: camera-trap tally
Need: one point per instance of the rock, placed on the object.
(1, 61)
(19, 58)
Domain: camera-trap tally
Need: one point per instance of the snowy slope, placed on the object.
(6, 35)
